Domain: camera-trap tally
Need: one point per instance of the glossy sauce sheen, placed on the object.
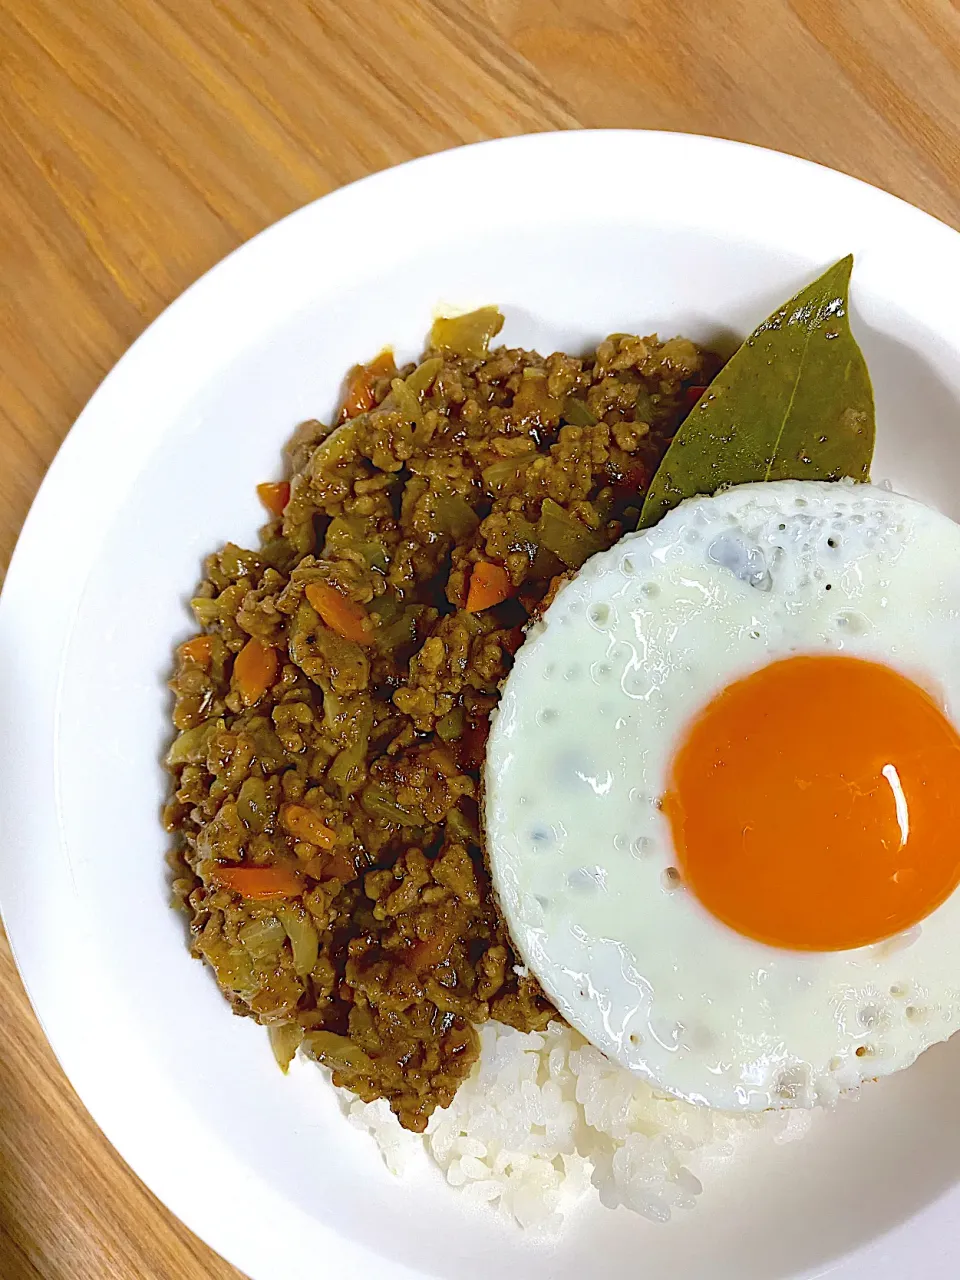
(587, 765)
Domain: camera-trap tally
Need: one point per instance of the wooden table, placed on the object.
(141, 140)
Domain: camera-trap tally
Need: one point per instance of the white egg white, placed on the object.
(581, 856)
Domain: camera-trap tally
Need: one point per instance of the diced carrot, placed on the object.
(383, 365)
(274, 496)
(277, 881)
(255, 669)
(340, 613)
(198, 650)
(472, 745)
(632, 480)
(489, 584)
(692, 395)
(358, 395)
(305, 824)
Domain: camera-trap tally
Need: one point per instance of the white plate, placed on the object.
(574, 235)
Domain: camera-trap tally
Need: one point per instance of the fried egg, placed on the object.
(722, 794)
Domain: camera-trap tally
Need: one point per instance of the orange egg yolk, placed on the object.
(815, 804)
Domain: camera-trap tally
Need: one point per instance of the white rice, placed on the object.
(546, 1119)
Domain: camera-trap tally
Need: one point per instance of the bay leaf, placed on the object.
(793, 403)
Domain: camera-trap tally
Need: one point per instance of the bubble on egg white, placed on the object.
(871, 1016)
(851, 622)
(587, 879)
(601, 614)
(698, 1038)
(865, 1009)
(666, 1032)
(747, 563)
(793, 1084)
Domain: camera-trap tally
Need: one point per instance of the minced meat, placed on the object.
(332, 711)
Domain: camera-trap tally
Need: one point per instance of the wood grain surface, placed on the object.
(141, 140)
